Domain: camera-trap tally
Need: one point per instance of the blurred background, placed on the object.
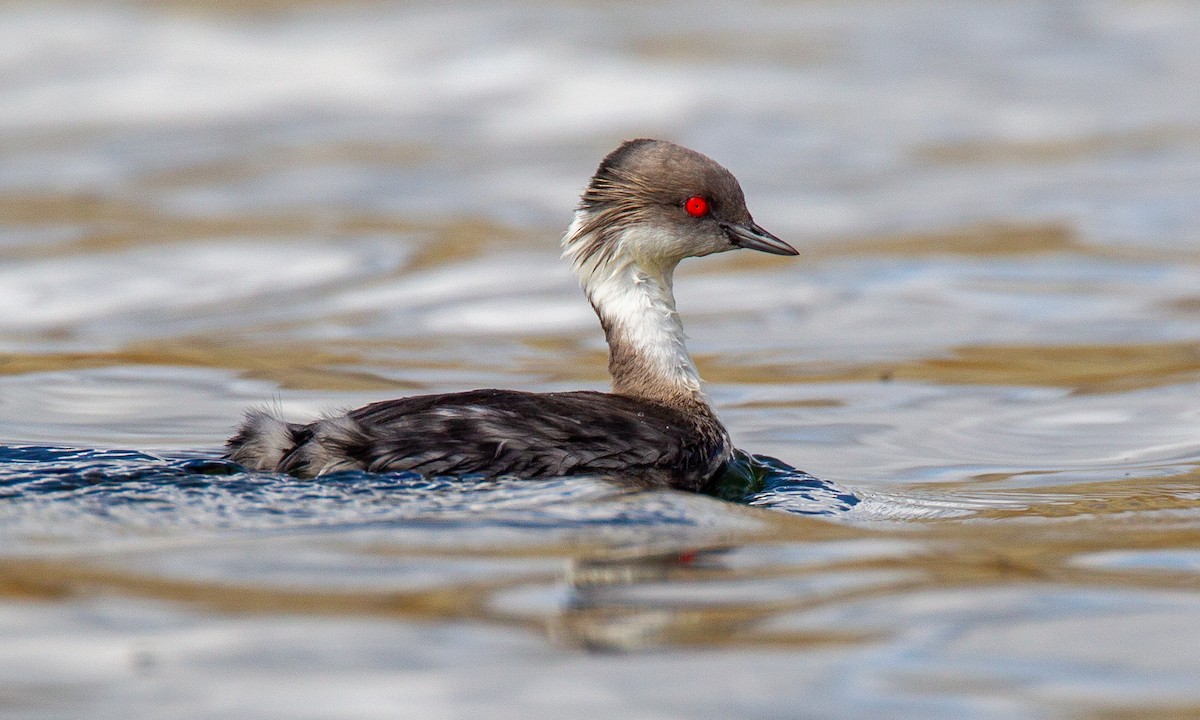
(281, 187)
(992, 336)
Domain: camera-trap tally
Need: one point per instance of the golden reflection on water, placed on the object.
(111, 223)
(1083, 368)
(1016, 523)
(107, 224)
(1064, 149)
(293, 366)
(1094, 500)
(626, 598)
(345, 365)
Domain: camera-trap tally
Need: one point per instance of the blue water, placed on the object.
(320, 204)
(187, 489)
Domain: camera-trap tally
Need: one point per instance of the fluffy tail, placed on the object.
(262, 441)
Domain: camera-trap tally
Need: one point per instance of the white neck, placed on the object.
(647, 353)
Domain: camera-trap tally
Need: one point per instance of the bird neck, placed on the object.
(647, 353)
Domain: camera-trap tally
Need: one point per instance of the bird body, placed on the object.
(498, 432)
(650, 204)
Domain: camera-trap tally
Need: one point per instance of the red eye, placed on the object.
(696, 206)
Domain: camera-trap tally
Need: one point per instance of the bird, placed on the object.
(649, 205)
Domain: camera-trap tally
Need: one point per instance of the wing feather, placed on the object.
(506, 432)
(535, 435)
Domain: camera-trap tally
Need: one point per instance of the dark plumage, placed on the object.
(505, 432)
(649, 205)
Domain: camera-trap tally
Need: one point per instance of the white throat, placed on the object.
(633, 297)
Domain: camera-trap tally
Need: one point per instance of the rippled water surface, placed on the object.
(987, 355)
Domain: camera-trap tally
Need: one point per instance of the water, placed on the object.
(987, 355)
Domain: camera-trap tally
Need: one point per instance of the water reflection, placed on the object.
(991, 339)
(43, 485)
(693, 599)
(589, 565)
(692, 572)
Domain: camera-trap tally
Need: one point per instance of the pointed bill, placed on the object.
(751, 237)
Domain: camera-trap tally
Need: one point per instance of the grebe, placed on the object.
(650, 204)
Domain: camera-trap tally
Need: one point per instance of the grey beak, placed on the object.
(750, 236)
